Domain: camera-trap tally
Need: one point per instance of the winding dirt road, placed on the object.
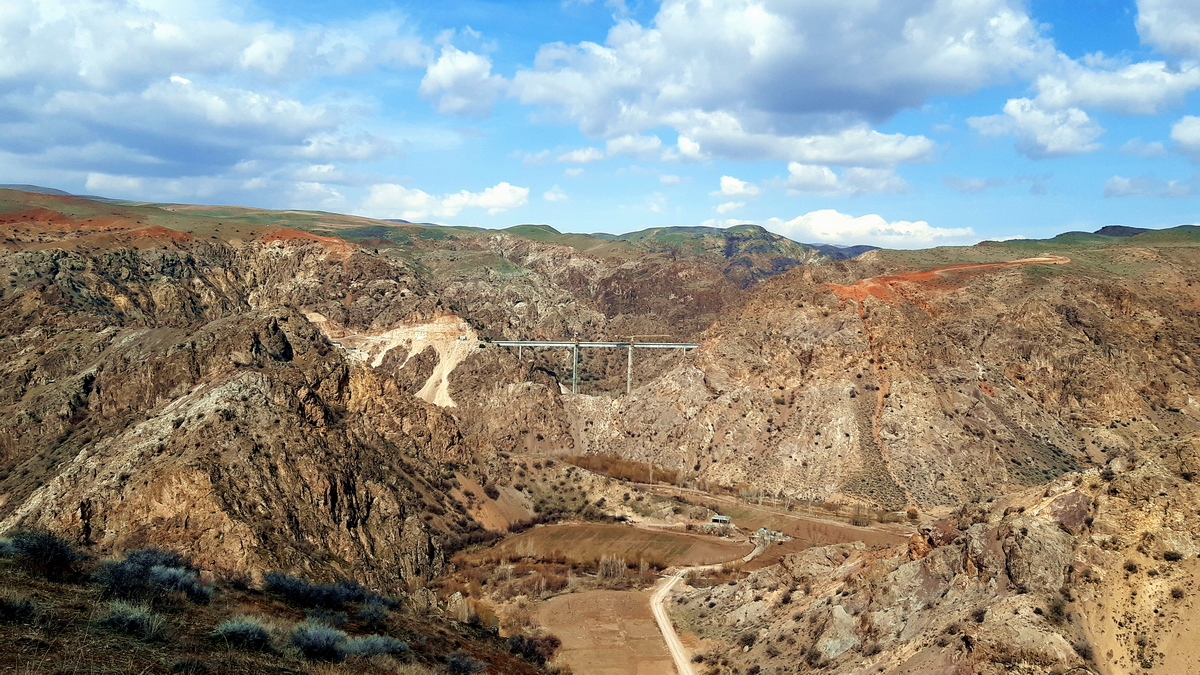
(683, 663)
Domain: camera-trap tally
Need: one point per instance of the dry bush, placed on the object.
(861, 516)
(611, 567)
(624, 469)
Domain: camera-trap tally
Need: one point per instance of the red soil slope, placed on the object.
(889, 288)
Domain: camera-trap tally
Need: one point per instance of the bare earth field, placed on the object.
(582, 542)
(607, 633)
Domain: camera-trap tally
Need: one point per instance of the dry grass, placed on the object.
(65, 637)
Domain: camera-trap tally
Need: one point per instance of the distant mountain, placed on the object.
(836, 252)
(39, 190)
(745, 231)
(36, 189)
(1121, 230)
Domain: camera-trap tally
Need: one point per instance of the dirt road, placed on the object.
(683, 662)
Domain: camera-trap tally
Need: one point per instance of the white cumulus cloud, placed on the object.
(104, 184)
(581, 156)
(389, 200)
(1042, 133)
(1173, 26)
(554, 194)
(1186, 132)
(729, 207)
(830, 226)
(749, 79)
(821, 180)
(634, 146)
(462, 83)
(732, 187)
(1142, 88)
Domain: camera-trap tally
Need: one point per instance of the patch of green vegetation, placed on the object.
(534, 232)
(1184, 235)
(376, 232)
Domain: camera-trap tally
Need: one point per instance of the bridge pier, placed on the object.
(576, 345)
(629, 369)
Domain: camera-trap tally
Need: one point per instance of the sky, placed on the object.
(898, 123)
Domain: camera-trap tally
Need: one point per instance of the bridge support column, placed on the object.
(575, 369)
(629, 369)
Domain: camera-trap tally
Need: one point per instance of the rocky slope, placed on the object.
(924, 388)
(270, 396)
(267, 397)
(171, 392)
(1094, 573)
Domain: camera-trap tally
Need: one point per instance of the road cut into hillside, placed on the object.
(623, 632)
(679, 653)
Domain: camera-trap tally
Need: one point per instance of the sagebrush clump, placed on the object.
(135, 620)
(152, 574)
(372, 645)
(462, 663)
(15, 609)
(300, 593)
(319, 642)
(245, 632)
(46, 554)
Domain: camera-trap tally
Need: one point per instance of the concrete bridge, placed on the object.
(576, 345)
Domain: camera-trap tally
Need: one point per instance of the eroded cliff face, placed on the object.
(925, 389)
(1097, 570)
(176, 395)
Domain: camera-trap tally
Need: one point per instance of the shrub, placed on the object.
(300, 593)
(1057, 609)
(157, 557)
(371, 616)
(15, 609)
(491, 491)
(1177, 593)
(1131, 567)
(133, 619)
(7, 550)
(46, 554)
(182, 580)
(327, 617)
(319, 642)
(860, 517)
(462, 663)
(979, 614)
(375, 644)
(747, 639)
(245, 632)
(1172, 556)
(152, 574)
(533, 649)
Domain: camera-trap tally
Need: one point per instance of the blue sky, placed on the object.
(902, 123)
